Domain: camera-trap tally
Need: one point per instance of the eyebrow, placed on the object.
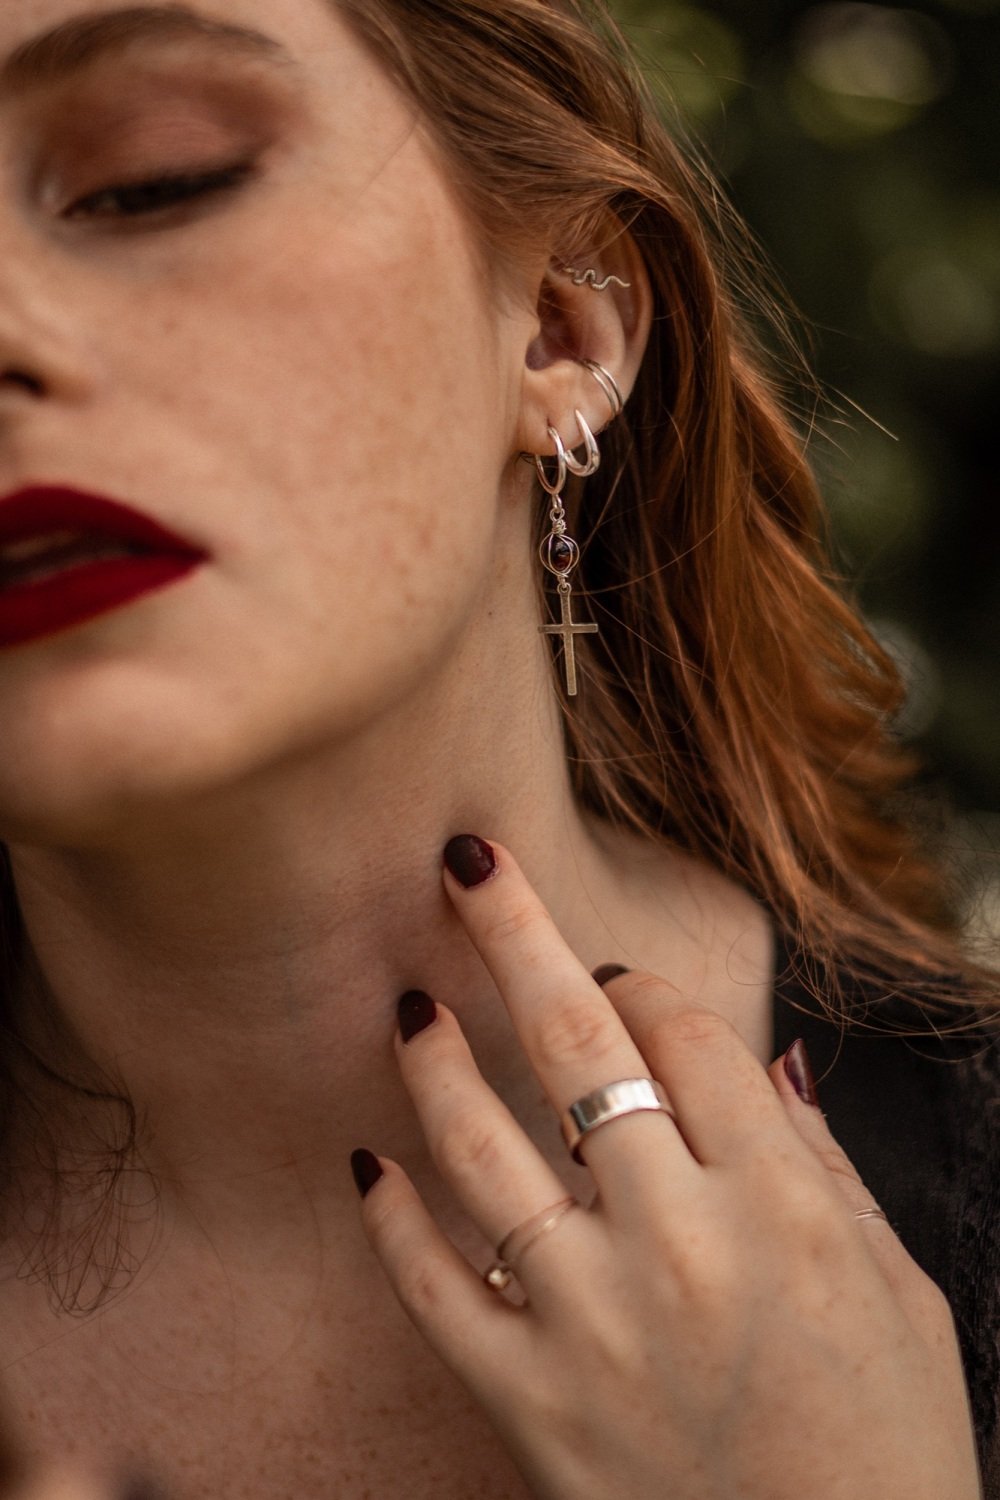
(74, 44)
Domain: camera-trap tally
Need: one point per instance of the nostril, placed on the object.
(23, 381)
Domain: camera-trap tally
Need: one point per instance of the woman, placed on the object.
(300, 803)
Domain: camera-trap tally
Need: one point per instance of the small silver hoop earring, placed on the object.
(608, 384)
(556, 486)
(593, 460)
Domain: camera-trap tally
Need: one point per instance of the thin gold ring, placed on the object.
(513, 1245)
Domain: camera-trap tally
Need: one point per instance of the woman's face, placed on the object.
(291, 358)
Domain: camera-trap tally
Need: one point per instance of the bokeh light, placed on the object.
(865, 69)
(860, 142)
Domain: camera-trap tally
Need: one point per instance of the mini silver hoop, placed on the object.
(557, 485)
(593, 459)
(608, 384)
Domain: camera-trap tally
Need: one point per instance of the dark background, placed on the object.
(861, 143)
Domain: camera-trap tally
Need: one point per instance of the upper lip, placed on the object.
(55, 510)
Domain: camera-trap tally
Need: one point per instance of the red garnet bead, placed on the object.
(560, 554)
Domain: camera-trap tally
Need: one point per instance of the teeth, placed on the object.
(43, 557)
(36, 546)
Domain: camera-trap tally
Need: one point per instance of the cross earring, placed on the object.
(559, 553)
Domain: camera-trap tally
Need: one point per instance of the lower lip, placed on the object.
(32, 611)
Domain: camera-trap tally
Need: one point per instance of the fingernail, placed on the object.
(416, 1012)
(604, 973)
(799, 1070)
(470, 860)
(367, 1170)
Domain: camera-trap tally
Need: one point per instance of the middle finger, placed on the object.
(571, 1033)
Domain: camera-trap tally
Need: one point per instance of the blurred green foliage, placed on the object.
(860, 143)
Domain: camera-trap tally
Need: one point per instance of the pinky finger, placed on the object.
(472, 1328)
(796, 1088)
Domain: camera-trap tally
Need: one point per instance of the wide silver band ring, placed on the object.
(626, 1097)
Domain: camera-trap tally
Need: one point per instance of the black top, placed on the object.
(920, 1119)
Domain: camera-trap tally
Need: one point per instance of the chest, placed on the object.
(200, 1403)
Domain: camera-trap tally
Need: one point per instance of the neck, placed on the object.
(234, 966)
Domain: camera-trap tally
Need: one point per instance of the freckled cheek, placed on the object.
(384, 386)
(346, 392)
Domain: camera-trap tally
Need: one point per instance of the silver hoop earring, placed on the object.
(593, 459)
(557, 485)
(609, 386)
(560, 554)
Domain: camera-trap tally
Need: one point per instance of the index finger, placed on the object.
(570, 1031)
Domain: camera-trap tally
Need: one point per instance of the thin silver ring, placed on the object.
(608, 384)
(627, 1096)
(593, 459)
(870, 1213)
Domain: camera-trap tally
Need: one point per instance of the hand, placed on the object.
(718, 1323)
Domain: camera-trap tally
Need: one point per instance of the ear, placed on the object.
(592, 304)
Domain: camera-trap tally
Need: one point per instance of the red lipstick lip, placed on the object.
(86, 587)
(41, 509)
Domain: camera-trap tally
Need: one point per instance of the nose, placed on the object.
(43, 351)
(21, 380)
(36, 360)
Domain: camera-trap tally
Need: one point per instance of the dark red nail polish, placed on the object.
(604, 973)
(799, 1070)
(367, 1170)
(416, 1012)
(470, 860)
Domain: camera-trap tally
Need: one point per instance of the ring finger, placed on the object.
(496, 1172)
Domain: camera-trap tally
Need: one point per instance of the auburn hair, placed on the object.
(734, 701)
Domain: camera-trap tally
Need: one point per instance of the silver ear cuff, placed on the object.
(609, 386)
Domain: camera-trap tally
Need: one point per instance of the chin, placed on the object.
(95, 779)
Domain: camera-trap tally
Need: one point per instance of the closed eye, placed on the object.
(156, 196)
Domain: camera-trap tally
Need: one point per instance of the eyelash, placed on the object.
(157, 195)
